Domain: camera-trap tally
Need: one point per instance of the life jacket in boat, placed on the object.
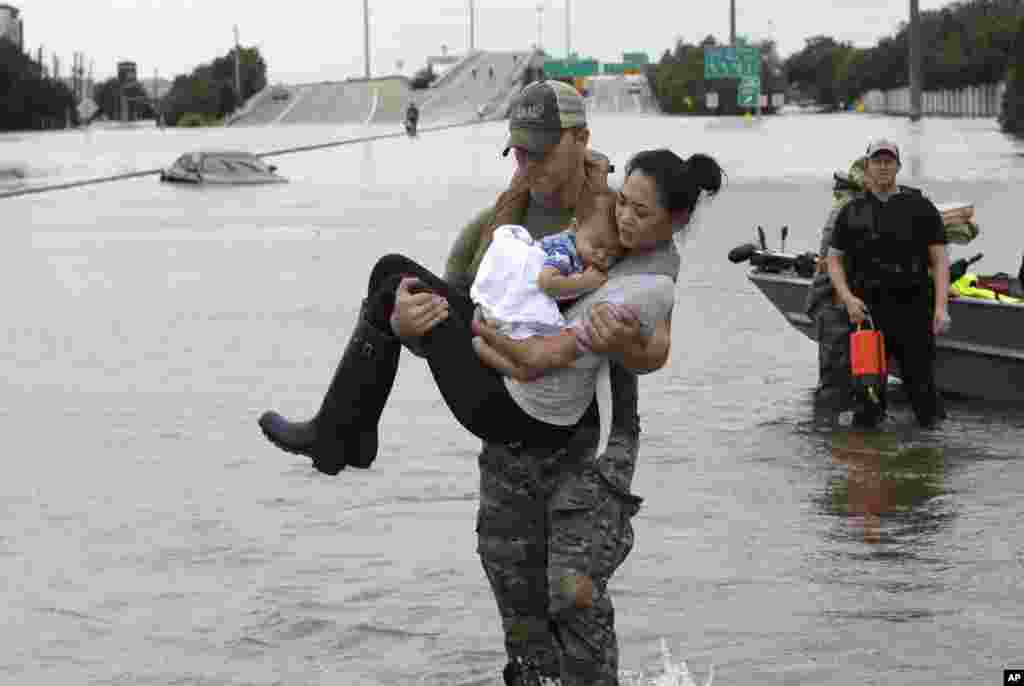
(967, 286)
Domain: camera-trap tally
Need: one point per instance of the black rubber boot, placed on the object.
(344, 431)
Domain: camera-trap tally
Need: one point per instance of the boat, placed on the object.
(981, 356)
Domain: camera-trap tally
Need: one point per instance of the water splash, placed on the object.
(673, 673)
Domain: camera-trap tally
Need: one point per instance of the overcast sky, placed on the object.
(313, 40)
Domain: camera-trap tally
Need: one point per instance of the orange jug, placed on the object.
(868, 361)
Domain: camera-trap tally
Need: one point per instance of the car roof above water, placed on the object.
(225, 153)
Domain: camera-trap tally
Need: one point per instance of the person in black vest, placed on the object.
(883, 244)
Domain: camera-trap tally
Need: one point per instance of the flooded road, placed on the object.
(150, 535)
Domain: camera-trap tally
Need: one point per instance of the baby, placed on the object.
(521, 281)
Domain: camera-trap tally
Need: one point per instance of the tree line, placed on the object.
(963, 44)
(28, 98)
(205, 96)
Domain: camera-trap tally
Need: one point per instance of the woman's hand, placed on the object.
(415, 314)
(613, 329)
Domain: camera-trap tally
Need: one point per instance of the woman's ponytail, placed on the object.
(679, 182)
(705, 173)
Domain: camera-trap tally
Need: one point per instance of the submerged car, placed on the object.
(222, 168)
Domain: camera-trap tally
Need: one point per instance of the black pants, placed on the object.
(905, 320)
(475, 393)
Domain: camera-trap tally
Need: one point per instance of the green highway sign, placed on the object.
(625, 68)
(749, 93)
(557, 68)
(731, 62)
(635, 58)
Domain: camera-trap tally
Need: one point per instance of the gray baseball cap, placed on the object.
(539, 114)
(883, 145)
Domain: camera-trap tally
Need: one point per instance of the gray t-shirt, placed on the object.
(645, 283)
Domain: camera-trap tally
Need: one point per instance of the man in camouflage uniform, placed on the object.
(554, 521)
(832, 324)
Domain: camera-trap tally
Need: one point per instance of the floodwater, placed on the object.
(150, 535)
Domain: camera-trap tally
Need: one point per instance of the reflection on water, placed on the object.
(368, 165)
(888, 489)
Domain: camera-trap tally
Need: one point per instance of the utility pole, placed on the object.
(732, 23)
(366, 36)
(568, 33)
(540, 26)
(74, 77)
(915, 61)
(238, 70)
(472, 41)
(158, 110)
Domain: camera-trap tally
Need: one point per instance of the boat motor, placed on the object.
(742, 253)
(803, 264)
(959, 267)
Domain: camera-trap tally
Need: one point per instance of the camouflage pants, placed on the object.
(552, 529)
(834, 382)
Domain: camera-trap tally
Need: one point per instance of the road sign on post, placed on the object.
(737, 62)
(573, 68)
(749, 93)
(731, 62)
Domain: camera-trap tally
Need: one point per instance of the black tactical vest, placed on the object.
(884, 255)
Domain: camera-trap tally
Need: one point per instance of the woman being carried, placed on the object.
(660, 192)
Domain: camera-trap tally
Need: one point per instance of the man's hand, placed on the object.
(856, 309)
(416, 313)
(941, 322)
(613, 329)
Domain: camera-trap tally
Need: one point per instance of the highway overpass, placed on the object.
(480, 85)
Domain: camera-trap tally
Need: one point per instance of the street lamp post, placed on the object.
(732, 22)
(540, 26)
(366, 36)
(472, 19)
(568, 33)
(915, 61)
(238, 69)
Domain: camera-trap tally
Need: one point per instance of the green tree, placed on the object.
(817, 70)
(964, 44)
(1011, 118)
(29, 100)
(108, 96)
(209, 91)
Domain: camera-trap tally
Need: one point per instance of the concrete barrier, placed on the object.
(979, 101)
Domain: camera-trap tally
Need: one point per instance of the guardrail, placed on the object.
(284, 151)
